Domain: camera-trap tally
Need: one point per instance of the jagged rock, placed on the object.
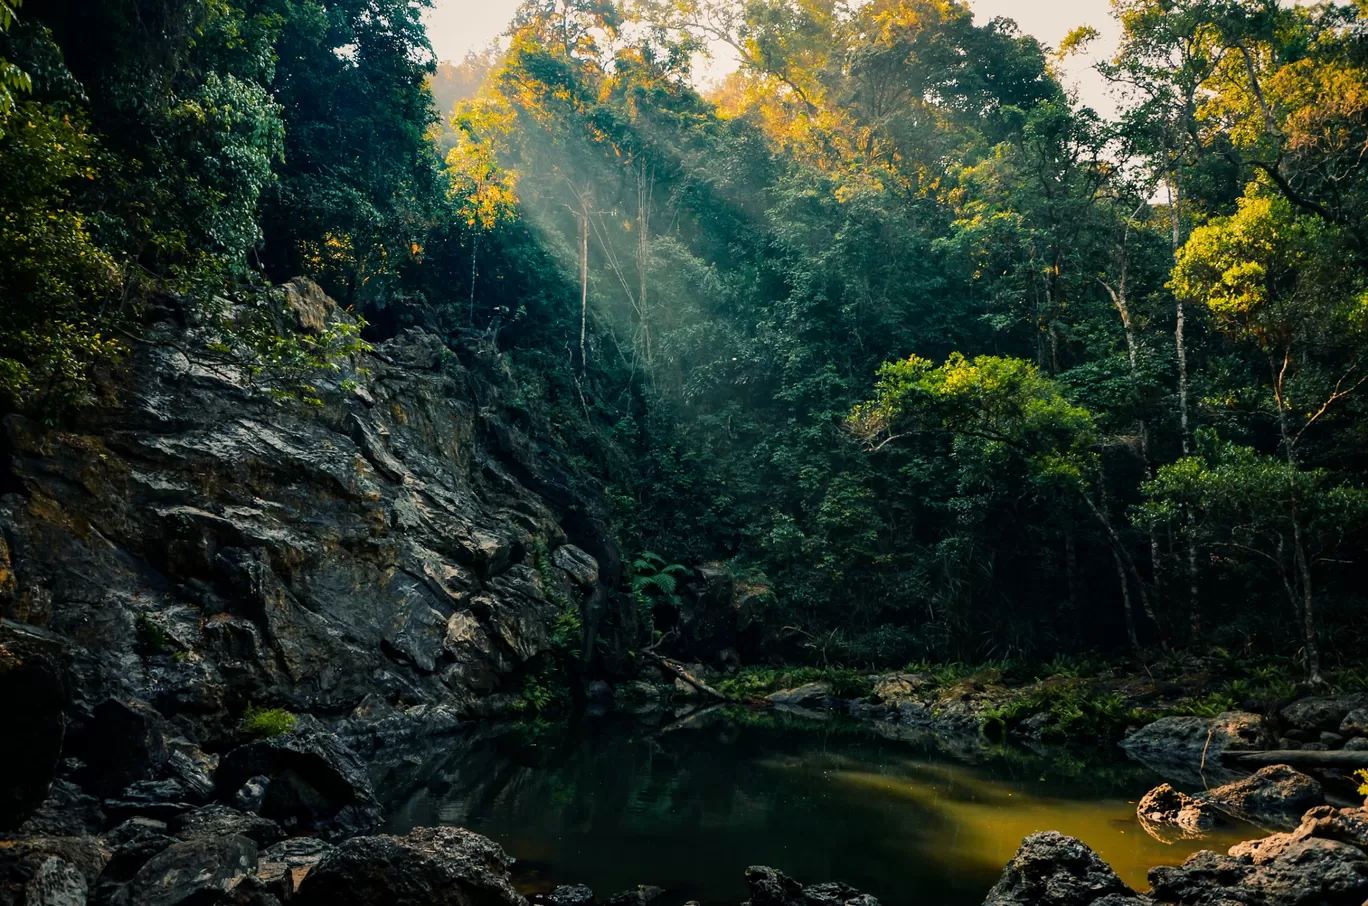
(769, 887)
(1355, 723)
(317, 785)
(1051, 869)
(32, 698)
(581, 567)
(1315, 715)
(440, 866)
(1190, 748)
(284, 866)
(1275, 796)
(193, 871)
(1357, 744)
(1164, 805)
(163, 799)
(569, 895)
(134, 830)
(252, 795)
(192, 767)
(123, 743)
(807, 696)
(1307, 872)
(221, 821)
(50, 871)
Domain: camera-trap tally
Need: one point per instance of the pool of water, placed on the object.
(909, 820)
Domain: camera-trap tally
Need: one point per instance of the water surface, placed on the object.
(910, 821)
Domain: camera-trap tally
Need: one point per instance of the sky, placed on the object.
(458, 26)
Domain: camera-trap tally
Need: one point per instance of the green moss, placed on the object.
(263, 723)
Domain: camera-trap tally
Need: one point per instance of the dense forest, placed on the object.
(938, 361)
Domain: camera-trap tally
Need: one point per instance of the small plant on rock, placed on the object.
(263, 723)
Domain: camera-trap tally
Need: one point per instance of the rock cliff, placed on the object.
(198, 542)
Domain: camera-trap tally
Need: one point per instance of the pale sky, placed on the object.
(458, 26)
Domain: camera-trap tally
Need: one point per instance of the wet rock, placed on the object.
(769, 887)
(123, 743)
(1051, 869)
(807, 696)
(193, 871)
(1307, 872)
(1316, 715)
(570, 895)
(32, 698)
(1274, 796)
(317, 785)
(50, 871)
(440, 866)
(1164, 805)
(284, 866)
(642, 895)
(1190, 748)
(221, 821)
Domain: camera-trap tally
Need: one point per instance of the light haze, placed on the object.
(460, 26)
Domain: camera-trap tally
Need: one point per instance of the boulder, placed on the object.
(1164, 805)
(221, 821)
(569, 895)
(1313, 716)
(124, 742)
(807, 696)
(642, 895)
(578, 565)
(1190, 748)
(1051, 869)
(1355, 723)
(1275, 796)
(1306, 872)
(163, 799)
(438, 866)
(317, 785)
(50, 871)
(66, 812)
(284, 866)
(193, 871)
(769, 887)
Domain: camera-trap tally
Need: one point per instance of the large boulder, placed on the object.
(1274, 796)
(1051, 869)
(50, 871)
(1190, 748)
(1308, 872)
(810, 695)
(193, 871)
(1310, 717)
(438, 866)
(316, 784)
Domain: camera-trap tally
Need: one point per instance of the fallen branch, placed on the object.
(1300, 758)
(671, 667)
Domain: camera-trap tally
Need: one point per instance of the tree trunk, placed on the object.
(584, 286)
(474, 248)
(1126, 602)
(1184, 421)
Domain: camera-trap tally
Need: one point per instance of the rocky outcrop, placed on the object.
(199, 543)
(1051, 869)
(443, 866)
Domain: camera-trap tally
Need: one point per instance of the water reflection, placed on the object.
(613, 806)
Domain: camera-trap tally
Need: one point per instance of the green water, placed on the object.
(909, 821)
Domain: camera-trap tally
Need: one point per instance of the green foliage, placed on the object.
(759, 681)
(263, 723)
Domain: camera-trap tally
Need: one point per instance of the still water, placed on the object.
(911, 821)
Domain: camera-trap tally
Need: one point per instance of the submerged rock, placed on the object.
(437, 866)
(1051, 869)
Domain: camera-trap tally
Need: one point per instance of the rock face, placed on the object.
(198, 544)
(441, 866)
(1051, 869)
(314, 783)
(1275, 796)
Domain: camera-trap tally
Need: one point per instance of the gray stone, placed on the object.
(1051, 869)
(193, 870)
(807, 696)
(1274, 796)
(581, 567)
(1190, 748)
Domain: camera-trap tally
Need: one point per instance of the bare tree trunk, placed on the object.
(584, 285)
(645, 189)
(1303, 565)
(1126, 602)
(474, 248)
(1184, 419)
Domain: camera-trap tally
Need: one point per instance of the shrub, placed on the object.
(263, 723)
